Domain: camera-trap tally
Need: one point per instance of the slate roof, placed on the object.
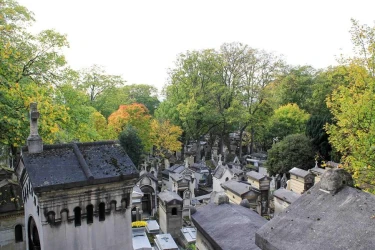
(236, 171)
(168, 196)
(176, 168)
(234, 231)
(236, 187)
(299, 172)
(286, 195)
(320, 220)
(219, 171)
(179, 177)
(255, 175)
(70, 165)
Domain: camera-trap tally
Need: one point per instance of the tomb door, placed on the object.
(33, 235)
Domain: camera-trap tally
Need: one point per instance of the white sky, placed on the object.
(141, 39)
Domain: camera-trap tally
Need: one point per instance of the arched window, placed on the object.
(174, 211)
(90, 214)
(101, 211)
(18, 233)
(77, 216)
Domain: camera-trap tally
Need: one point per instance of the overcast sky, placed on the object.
(141, 39)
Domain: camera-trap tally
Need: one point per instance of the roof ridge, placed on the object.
(82, 162)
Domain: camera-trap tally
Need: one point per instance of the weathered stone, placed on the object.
(34, 141)
(334, 179)
(220, 198)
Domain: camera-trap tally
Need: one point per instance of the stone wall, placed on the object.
(114, 232)
(202, 243)
(8, 222)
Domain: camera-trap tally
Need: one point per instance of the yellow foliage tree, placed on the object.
(353, 108)
(164, 136)
(133, 114)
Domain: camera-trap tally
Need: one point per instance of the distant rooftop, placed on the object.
(78, 164)
(236, 187)
(256, 175)
(286, 195)
(228, 226)
(299, 172)
(168, 196)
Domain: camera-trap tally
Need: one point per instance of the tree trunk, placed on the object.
(252, 141)
(240, 151)
(198, 153)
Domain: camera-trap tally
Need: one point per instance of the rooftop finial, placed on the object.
(34, 141)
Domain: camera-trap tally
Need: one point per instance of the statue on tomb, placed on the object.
(220, 163)
(283, 181)
(273, 184)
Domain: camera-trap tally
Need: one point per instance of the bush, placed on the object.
(293, 151)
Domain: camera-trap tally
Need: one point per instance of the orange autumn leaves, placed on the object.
(161, 134)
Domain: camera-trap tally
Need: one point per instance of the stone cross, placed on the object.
(273, 184)
(144, 166)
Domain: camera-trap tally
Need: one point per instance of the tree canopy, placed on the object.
(294, 150)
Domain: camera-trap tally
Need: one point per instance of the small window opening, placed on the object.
(51, 217)
(90, 213)
(101, 211)
(18, 233)
(227, 179)
(174, 211)
(77, 216)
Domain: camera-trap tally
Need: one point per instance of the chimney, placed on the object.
(34, 141)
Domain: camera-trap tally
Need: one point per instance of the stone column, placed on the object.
(34, 141)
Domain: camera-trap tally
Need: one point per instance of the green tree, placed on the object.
(353, 108)
(295, 85)
(293, 151)
(260, 69)
(82, 124)
(29, 67)
(95, 81)
(131, 143)
(286, 120)
(143, 93)
(191, 89)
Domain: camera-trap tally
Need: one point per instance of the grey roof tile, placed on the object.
(234, 231)
(61, 166)
(320, 220)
